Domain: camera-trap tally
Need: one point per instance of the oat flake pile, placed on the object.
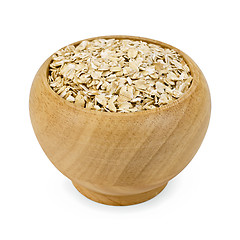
(118, 75)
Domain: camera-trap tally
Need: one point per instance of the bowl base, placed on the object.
(119, 200)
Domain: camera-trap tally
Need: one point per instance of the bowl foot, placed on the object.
(119, 200)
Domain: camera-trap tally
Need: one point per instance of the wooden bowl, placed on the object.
(120, 158)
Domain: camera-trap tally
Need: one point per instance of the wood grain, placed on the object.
(120, 158)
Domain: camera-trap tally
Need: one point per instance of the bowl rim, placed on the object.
(194, 70)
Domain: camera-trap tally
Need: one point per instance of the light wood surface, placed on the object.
(120, 158)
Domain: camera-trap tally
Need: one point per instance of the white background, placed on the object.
(38, 202)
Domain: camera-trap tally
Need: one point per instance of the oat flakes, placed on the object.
(118, 75)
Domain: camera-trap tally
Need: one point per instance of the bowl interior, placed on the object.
(192, 66)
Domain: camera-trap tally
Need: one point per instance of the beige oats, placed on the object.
(79, 100)
(118, 75)
(132, 52)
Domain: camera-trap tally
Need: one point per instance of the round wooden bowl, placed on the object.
(120, 158)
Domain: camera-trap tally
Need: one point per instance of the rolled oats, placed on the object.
(118, 75)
